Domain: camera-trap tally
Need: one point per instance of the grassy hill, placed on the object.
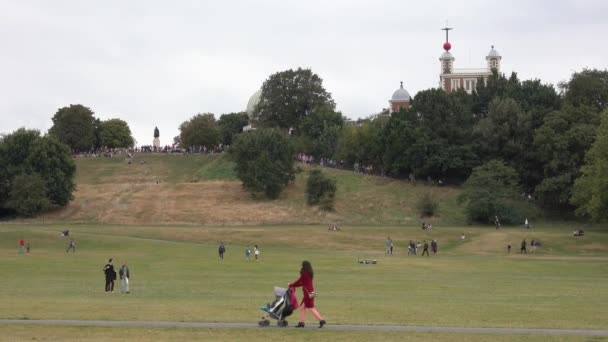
(203, 190)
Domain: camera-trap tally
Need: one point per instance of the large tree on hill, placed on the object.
(561, 143)
(491, 190)
(230, 125)
(447, 120)
(27, 155)
(288, 97)
(590, 191)
(115, 133)
(200, 130)
(587, 88)
(321, 130)
(264, 161)
(75, 126)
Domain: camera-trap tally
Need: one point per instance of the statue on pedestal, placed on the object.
(156, 142)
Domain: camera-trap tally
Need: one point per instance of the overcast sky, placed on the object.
(157, 63)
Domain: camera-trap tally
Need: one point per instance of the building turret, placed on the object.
(493, 58)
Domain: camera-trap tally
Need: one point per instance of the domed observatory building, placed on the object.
(253, 101)
(400, 99)
(451, 79)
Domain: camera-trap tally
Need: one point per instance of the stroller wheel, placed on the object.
(264, 323)
(283, 323)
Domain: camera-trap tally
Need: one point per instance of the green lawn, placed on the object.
(176, 276)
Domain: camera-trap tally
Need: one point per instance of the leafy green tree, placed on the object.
(115, 133)
(200, 130)
(25, 152)
(28, 195)
(288, 97)
(320, 190)
(561, 143)
(362, 144)
(52, 160)
(590, 192)
(75, 126)
(230, 125)
(446, 120)
(587, 88)
(264, 161)
(322, 129)
(491, 190)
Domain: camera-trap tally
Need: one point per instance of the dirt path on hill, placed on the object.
(160, 324)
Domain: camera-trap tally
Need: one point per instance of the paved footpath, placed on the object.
(312, 326)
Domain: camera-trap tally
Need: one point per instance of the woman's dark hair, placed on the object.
(307, 267)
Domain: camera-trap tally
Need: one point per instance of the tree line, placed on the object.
(518, 139)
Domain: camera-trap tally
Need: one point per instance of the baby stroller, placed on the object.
(284, 304)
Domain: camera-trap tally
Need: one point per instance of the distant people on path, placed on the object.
(308, 293)
(423, 226)
(333, 227)
(462, 236)
(27, 248)
(496, 222)
(247, 253)
(527, 224)
(256, 252)
(124, 275)
(65, 233)
(71, 246)
(579, 232)
(221, 250)
(21, 246)
(523, 247)
(509, 249)
(434, 246)
(533, 246)
(425, 248)
(110, 274)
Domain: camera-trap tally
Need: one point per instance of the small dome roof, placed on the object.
(400, 95)
(493, 54)
(446, 55)
(253, 101)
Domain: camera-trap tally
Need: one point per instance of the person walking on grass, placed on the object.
(71, 246)
(248, 253)
(308, 293)
(21, 246)
(256, 252)
(124, 275)
(425, 248)
(523, 247)
(496, 222)
(110, 273)
(434, 246)
(389, 246)
(221, 250)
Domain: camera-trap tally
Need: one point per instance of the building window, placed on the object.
(493, 63)
(467, 85)
(455, 84)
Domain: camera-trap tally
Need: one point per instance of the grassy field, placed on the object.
(176, 276)
(203, 190)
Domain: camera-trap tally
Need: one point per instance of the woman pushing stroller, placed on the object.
(308, 292)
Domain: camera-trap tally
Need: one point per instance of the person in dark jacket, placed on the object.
(221, 250)
(308, 293)
(110, 273)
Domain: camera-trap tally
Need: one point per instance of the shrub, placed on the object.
(426, 205)
(320, 190)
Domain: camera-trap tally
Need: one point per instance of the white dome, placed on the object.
(400, 95)
(493, 54)
(253, 101)
(446, 55)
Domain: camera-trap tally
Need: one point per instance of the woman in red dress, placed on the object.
(308, 292)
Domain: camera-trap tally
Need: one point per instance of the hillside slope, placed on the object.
(203, 190)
